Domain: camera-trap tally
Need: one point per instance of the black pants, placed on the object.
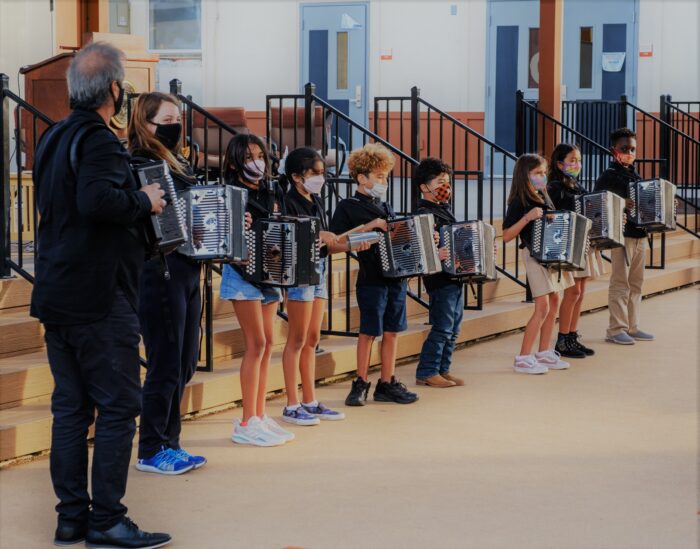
(94, 366)
(169, 311)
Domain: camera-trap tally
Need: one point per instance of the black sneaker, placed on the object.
(393, 391)
(125, 534)
(69, 534)
(358, 392)
(580, 346)
(566, 348)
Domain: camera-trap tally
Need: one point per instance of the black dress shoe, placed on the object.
(69, 534)
(125, 534)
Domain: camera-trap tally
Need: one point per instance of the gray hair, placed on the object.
(91, 74)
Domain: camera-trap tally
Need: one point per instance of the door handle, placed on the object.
(358, 96)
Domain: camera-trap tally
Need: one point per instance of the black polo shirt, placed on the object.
(264, 201)
(616, 179)
(360, 210)
(516, 210)
(564, 195)
(442, 213)
(298, 205)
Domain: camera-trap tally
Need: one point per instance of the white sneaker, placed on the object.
(276, 429)
(255, 433)
(551, 359)
(527, 364)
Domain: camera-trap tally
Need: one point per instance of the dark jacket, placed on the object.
(443, 216)
(616, 179)
(89, 235)
(563, 195)
(297, 205)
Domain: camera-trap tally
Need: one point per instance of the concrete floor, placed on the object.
(601, 456)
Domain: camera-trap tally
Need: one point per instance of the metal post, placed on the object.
(5, 174)
(519, 123)
(623, 112)
(415, 143)
(309, 91)
(664, 136)
(176, 87)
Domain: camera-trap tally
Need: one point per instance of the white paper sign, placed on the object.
(613, 61)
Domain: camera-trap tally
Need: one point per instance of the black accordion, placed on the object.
(470, 248)
(284, 251)
(408, 247)
(654, 205)
(606, 212)
(560, 239)
(168, 229)
(215, 217)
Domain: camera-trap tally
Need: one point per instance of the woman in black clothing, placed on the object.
(563, 188)
(169, 310)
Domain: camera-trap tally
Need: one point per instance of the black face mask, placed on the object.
(169, 134)
(119, 100)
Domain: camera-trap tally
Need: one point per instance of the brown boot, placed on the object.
(453, 379)
(436, 381)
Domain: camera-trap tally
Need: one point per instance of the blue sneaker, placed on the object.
(165, 462)
(197, 461)
(299, 416)
(322, 411)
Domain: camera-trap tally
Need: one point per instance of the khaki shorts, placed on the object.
(595, 266)
(544, 281)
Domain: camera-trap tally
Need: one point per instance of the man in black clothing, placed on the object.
(89, 257)
(625, 293)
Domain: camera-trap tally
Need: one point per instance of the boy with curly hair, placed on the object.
(382, 301)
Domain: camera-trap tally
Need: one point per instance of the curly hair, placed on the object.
(428, 169)
(369, 158)
(621, 133)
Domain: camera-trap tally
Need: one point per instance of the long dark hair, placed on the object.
(560, 152)
(236, 150)
(521, 188)
(297, 163)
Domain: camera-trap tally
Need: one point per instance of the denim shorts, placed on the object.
(235, 287)
(382, 308)
(320, 291)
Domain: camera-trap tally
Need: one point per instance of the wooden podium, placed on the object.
(46, 85)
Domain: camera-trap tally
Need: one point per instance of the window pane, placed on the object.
(533, 59)
(585, 75)
(342, 61)
(176, 25)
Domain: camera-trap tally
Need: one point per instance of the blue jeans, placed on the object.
(446, 311)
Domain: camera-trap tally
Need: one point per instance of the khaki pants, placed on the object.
(625, 293)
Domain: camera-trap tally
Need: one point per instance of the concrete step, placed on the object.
(25, 429)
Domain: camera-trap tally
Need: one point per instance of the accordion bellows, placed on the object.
(168, 229)
(216, 221)
(470, 247)
(606, 212)
(560, 239)
(654, 205)
(408, 247)
(284, 252)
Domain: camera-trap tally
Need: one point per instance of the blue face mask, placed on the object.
(538, 181)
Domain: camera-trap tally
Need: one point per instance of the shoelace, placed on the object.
(170, 457)
(182, 454)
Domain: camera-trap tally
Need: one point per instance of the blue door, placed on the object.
(334, 58)
(514, 64)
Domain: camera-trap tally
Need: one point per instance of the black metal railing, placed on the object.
(682, 115)
(482, 169)
(17, 202)
(296, 120)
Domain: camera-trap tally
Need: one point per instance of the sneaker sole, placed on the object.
(383, 399)
(151, 469)
(356, 404)
(555, 367)
(246, 442)
(339, 417)
(610, 340)
(531, 371)
(110, 546)
(642, 338)
(304, 422)
(67, 543)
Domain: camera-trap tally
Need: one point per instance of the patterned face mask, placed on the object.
(442, 192)
(539, 181)
(572, 169)
(626, 159)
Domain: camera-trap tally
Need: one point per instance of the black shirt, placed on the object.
(616, 179)
(298, 205)
(516, 210)
(564, 195)
(89, 236)
(264, 201)
(442, 213)
(359, 210)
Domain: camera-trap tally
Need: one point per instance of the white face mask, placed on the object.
(378, 191)
(314, 184)
(255, 169)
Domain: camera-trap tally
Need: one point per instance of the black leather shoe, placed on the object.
(69, 534)
(565, 347)
(393, 391)
(358, 392)
(581, 346)
(125, 534)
